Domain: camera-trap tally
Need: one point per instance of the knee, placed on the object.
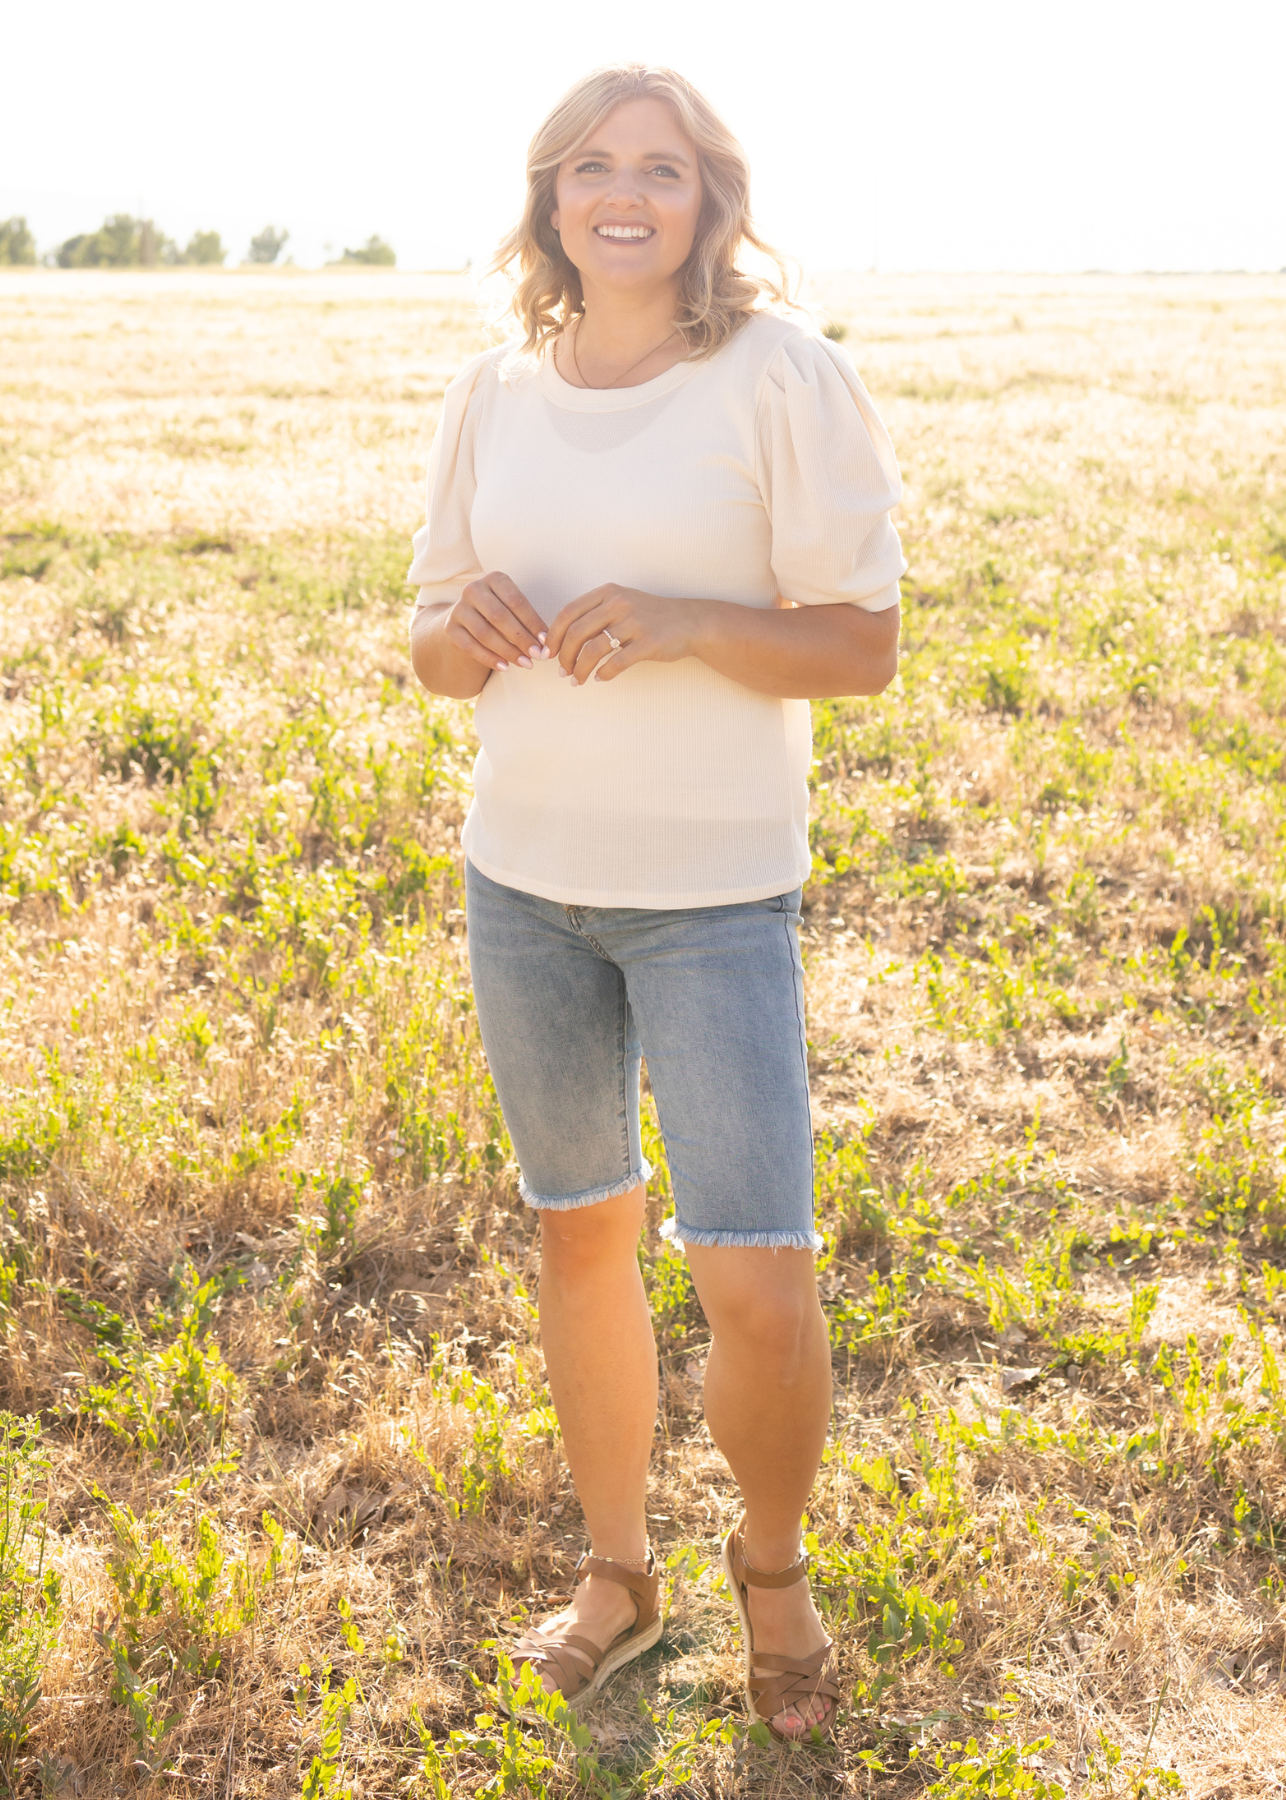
(776, 1329)
(584, 1241)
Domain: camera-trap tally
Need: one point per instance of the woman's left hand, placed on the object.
(648, 628)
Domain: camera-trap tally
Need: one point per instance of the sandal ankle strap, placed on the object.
(777, 1578)
(641, 1585)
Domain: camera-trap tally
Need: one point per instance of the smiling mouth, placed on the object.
(625, 233)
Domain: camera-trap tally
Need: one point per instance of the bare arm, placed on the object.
(801, 652)
(796, 652)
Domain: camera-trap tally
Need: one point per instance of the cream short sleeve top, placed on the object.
(763, 470)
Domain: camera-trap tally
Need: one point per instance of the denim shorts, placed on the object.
(571, 998)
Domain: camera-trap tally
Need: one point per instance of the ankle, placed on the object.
(772, 1556)
(629, 1562)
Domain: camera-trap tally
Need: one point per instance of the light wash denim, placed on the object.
(571, 998)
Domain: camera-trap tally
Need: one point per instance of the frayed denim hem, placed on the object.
(680, 1235)
(591, 1196)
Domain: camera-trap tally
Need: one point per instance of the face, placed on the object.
(629, 198)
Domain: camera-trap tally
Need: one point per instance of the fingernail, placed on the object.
(502, 665)
(561, 672)
(541, 636)
(534, 650)
(524, 662)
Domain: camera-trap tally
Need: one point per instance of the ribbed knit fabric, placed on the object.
(763, 470)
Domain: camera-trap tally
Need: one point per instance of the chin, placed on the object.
(629, 278)
(614, 271)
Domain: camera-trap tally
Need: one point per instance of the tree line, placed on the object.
(124, 242)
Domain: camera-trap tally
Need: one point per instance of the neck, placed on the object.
(618, 327)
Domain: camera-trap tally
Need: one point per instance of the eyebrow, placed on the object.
(673, 156)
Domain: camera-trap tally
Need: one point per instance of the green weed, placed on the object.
(671, 1295)
(1000, 1772)
(325, 1773)
(186, 1615)
(30, 1593)
(150, 1725)
(332, 1232)
(880, 1313)
(175, 1396)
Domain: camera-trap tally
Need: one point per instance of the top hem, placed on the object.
(645, 901)
(886, 597)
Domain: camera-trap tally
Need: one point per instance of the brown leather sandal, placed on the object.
(778, 1683)
(577, 1664)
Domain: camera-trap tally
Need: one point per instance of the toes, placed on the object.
(799, 1722)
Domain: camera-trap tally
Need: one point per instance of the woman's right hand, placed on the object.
(495, 624)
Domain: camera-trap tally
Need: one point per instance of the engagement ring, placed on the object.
(614, 642)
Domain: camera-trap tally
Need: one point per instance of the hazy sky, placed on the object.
(913, 134)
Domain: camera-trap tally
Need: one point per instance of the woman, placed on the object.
(657, 527)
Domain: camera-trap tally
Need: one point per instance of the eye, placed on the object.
(667, 169)
(592, 167)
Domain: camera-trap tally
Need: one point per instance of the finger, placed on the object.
(620, 660)
(520, 640)
(583, 633)
(479, 626)
(478, 640)
(596, 623)
(529, 626)
(570, 615)
(592, 653)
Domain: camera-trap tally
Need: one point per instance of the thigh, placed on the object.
(561, 1045)
(718, 994)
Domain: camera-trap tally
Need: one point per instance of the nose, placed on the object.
(625, 189)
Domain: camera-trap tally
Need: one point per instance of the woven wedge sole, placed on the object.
(725, 1562)
(612, 1664)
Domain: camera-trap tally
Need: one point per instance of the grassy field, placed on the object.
(267, 1296)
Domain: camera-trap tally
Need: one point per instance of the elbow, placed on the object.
(873, 673)
(447, 684)
(422, 664)
(880, 675)
(436, 670)
(865, 680)
(878, 663)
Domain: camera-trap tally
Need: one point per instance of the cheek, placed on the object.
(690, 207)
(570, 205)
(688, 216)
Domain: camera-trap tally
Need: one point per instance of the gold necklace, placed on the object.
(624, 372)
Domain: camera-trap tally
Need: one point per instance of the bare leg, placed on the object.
(600, 1356)
(768, 1403)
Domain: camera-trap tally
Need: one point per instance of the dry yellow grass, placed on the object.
(1047, 987)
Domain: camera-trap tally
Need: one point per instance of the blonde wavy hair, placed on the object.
(715, 297)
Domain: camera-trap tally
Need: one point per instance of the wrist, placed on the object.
(706, 626)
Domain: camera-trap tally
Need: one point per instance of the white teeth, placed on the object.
(624, 231)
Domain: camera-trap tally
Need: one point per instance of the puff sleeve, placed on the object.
(444, 560)
(829, 478)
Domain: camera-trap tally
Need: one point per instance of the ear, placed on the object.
(553, 218)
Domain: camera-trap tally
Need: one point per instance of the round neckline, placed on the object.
(578, 399)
